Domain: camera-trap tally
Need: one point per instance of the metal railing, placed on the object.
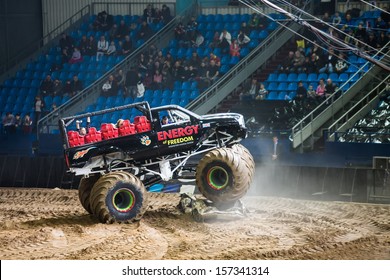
(89, 95)
(359, 110)
(310, 124)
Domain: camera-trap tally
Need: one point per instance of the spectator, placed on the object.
(360, 32)
(330, 88)
(66, 42)
(341, 65)
(199, 39)
(336, 21)
(54, 108)
(380, 25)
(329, 61)
(371, 42)
(110, 87)
(76, 85)
(83, 45)
(165, 14)
(149, 14)
(144, 32)
(132, 78)
(47, 86)
(195, 60)
(103, 21)
(225, 39)
(127, 46)
(67, 89)
(57, 88)
(180, 32)
(9, 123)
(311, 93)
(122, 31)
(38, 107)
(251, 91)
(253, 22)
(298, 62)
(301, 93)
(102, 47)
(262, 22)
(216, 59)
(235, 48)
(27, 124)
(120, 78)
(262, 93)
(287, 63)
(18, 123)
(212, 72)
(91, 47)
(244, 28)
(320, 91)
(192, 26)
(76, 56)
(111, 49)
(382, 40)
(178, 71)
(157, 80)
(242, 39)
(65, 55)
(112, 33)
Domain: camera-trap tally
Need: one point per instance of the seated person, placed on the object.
(83, 130)
(119, 123)
(165, 120)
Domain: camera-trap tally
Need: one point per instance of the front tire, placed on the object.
(239, 148)
(118, 197)
(223, 176)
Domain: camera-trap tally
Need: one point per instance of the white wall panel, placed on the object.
(55, 12)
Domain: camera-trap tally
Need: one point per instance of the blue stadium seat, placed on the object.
(282, 86)
(273, 95)
(312, 77)
(282, 77)
(292, 77)
(302, 77)
(272, 77)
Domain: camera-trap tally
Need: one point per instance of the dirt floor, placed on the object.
(51, 224)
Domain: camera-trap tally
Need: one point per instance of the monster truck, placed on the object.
(118, 164)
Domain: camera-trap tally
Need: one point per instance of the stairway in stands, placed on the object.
(261, 75)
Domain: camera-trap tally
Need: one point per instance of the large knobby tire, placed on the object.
(223, 176)
(244, 152)
(118, 197)
(85, 188)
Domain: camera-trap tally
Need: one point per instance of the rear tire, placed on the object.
(223, 176)
(85, 188)
(118, 197)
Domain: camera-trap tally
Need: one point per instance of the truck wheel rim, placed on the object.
(217, 178)
(123, 200)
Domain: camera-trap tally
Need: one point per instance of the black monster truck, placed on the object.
(121, 161)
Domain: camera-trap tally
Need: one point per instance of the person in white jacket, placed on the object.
(102, 47)
(225, 39)
(242, 39)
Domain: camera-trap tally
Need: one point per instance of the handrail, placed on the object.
(316, 113)
(14, 63)
(356, 110)
(78, 102)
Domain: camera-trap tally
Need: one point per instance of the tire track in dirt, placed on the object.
(51, 224)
